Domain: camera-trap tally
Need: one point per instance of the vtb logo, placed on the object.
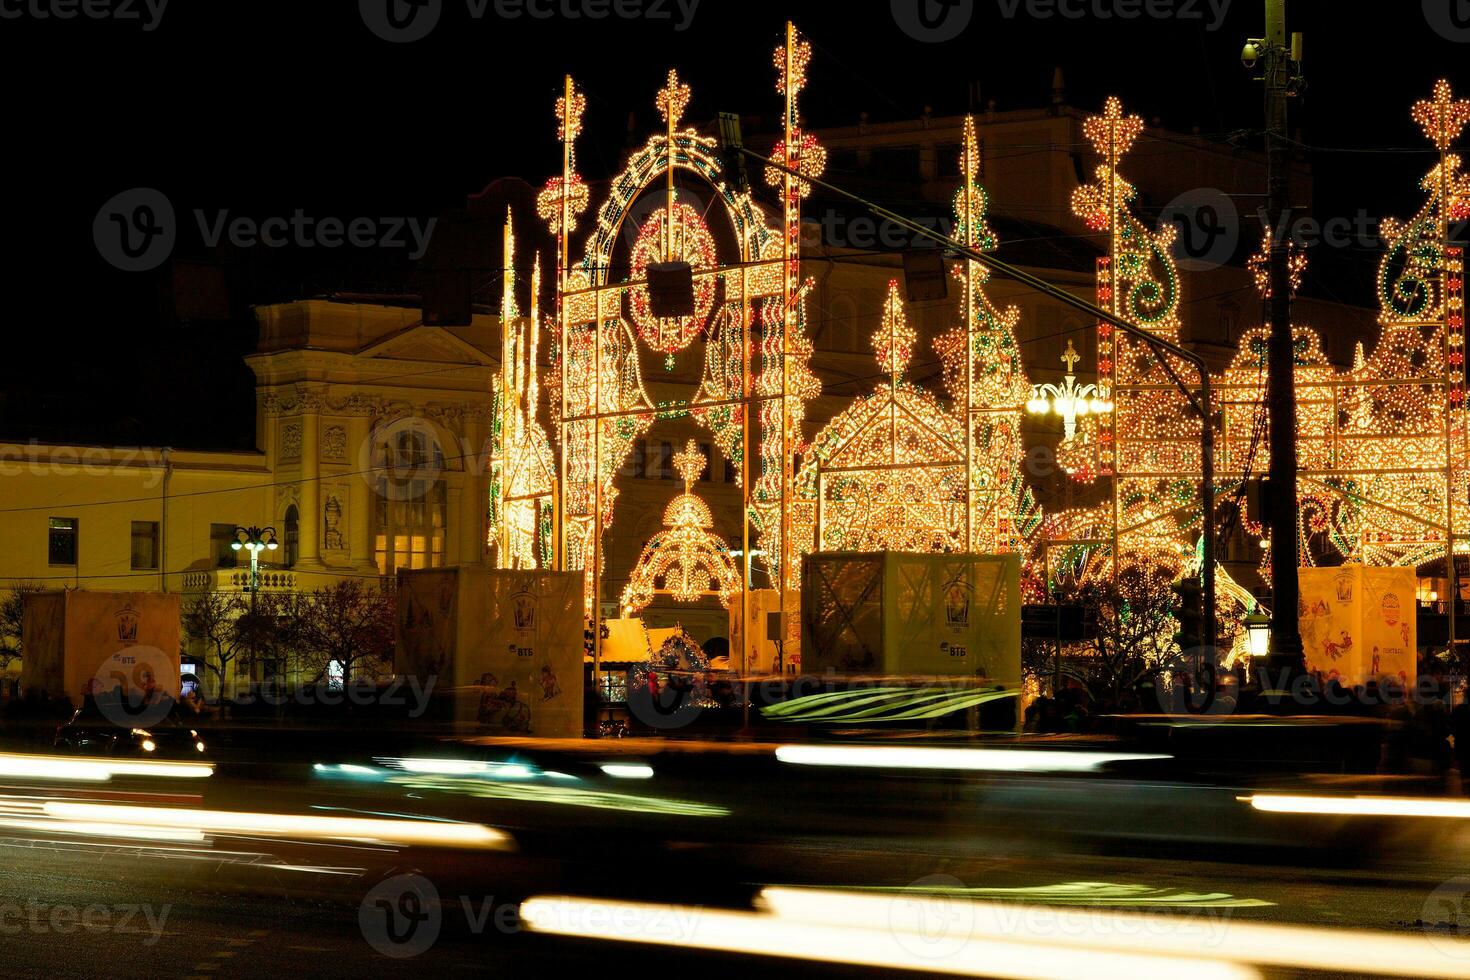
(400, 917)
(400, 21)
(934, 21)
(1449, 18)
(135, 230)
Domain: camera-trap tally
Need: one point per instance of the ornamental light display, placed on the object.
(1148, 447)
(888, 473)
(522, 466)
(748, 331)
(686, 560)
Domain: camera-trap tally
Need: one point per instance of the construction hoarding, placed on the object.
(506, 644)
(78, 642)
(889, 613)
(1359, 623)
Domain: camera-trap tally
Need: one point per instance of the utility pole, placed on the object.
(1286, 655)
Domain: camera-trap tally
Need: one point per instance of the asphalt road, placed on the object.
(708, 829)
(72, 913)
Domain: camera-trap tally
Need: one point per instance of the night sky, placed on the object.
(264, 108)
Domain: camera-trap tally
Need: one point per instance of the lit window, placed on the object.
(409, 532)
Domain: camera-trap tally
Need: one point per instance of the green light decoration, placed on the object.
(882, 704)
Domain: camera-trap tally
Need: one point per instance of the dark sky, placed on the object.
(263, 108)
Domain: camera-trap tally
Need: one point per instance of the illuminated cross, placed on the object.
(1070, 357)
(689, 463)
(1443, 117)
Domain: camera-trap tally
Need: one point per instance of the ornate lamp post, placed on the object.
(1071, 401)
(254, 540)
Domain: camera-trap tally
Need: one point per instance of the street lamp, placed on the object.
(254, 539)
(1071, 401)
(1258, 634)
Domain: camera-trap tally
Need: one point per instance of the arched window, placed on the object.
(410, 516)
(293, 535)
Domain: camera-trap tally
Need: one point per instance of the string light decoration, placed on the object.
(750, 313)
(1260, 265)
(888, 473)
(686, 560)
(692, 243)
(1147, 447)
(522, 467)
(985, 379)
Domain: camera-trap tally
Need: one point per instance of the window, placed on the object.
(639, 460)
(145, 546)
(729, 472)
(221, 536)
(410, 525)
(706, 474)
(61, 542)
(666, 461)
(293, 535)
(899, 163)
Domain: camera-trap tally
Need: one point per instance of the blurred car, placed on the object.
(96, 735)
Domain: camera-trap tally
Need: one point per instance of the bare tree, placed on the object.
(343, 623)
(1135, 631)
(12, 622)
(213, 619)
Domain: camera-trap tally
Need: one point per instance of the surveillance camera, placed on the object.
(1250, 54)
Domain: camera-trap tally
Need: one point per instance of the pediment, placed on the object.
(420, 343)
